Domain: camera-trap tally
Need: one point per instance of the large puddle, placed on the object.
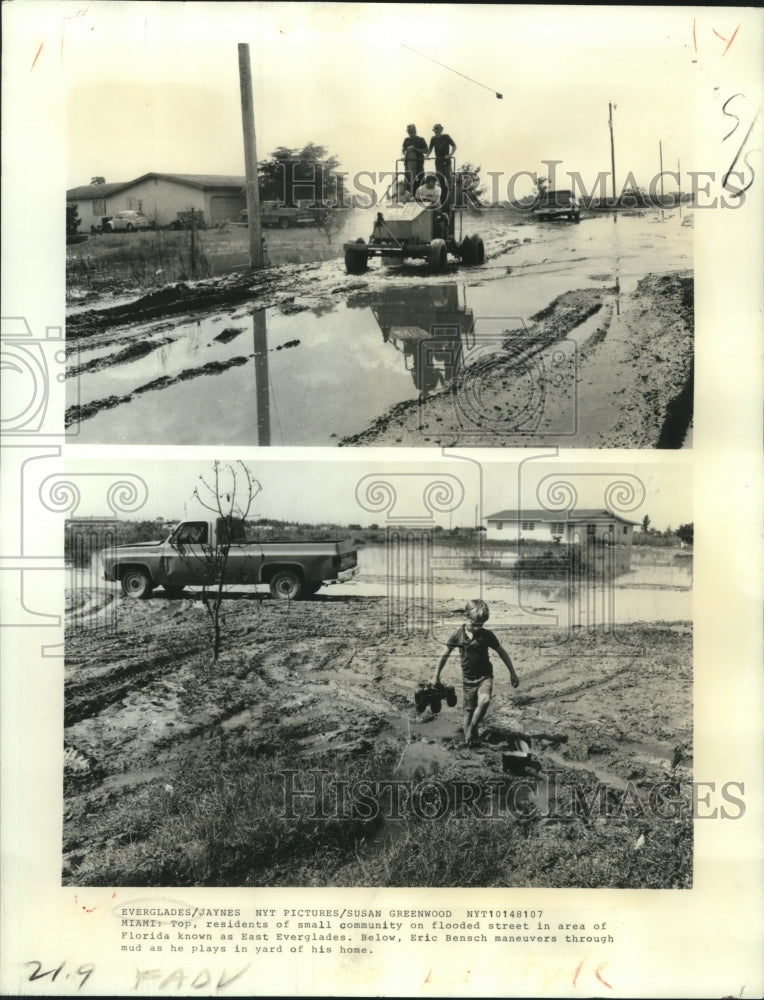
(310, 378)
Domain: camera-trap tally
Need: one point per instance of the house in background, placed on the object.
(582, 527)
(93, 202)
(161, 197)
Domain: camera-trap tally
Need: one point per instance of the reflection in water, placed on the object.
(430, 326)
(262, 388)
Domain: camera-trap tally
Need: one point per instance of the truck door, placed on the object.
(187, 556)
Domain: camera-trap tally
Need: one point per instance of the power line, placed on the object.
(452, 70)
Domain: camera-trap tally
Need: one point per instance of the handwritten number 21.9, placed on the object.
(84, 971)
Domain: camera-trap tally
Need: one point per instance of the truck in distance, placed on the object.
(189, 556)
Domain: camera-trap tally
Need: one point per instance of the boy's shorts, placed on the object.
(471, 689)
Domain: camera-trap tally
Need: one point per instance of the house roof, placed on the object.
(571, 516)
(91, 191)
(202, 181)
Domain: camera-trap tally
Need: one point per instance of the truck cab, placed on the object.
(207, 551)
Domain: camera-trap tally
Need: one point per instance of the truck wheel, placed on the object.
(283, 223)
(467, 250)
(437, 256)
(172, 592)
(356, 257)
(129, 227)
(286, 585)
(479, 251)
(136, 583)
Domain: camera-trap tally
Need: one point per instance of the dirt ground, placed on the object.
(144, 705)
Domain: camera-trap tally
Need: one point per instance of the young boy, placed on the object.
(473, 642)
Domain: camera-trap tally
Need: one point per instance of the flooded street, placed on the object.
(320, 365)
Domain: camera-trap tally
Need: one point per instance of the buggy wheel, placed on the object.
(467, 250)
(437, 256)
(356, 257)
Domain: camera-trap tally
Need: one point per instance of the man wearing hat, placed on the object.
(414, 151)
(444, 148)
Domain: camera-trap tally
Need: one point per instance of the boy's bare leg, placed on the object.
(479, 713)
(466, 720)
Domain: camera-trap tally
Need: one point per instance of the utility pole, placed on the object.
(679, 175)
(250, 159)
(612, 150)
(660, 154)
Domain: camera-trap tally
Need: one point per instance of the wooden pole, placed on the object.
(612, 151)
(256, 259)
(679, 175)
(660, 154)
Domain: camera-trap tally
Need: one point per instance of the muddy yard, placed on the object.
(174, 766)
(576, 335)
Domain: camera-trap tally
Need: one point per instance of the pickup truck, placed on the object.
(275, 213)
(186, 558)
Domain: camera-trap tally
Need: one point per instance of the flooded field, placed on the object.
(647, 593)
(312, 356)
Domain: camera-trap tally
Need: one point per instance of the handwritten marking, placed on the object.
(578, 971)
(37, 56)
(85, 971)
(731, 170)
(597, 974)
(725, 40)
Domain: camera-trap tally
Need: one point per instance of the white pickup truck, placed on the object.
(189, 556)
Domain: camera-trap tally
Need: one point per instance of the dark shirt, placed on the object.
(418, 146)
(473, 650)
(441, 144)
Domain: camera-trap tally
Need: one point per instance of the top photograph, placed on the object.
(383, 226)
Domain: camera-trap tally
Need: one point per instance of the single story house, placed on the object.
(581, 526)
(93, 202)
(160, 197)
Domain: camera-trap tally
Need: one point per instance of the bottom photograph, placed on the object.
(425, 673)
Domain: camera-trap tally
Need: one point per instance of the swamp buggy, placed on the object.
(416, 230)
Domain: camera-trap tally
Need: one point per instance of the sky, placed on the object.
(155, 87)
(345, 488)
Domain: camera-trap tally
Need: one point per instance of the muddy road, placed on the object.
(577, 335)
(144, 706)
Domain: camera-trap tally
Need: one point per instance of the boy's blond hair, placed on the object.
(477, 611)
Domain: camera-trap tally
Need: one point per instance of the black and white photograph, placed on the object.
(228, 671)
(381, 478)
(411, 257)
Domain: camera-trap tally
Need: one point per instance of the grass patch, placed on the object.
(220, 821)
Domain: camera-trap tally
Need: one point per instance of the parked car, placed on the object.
(557, 205)
(127, 222)
(185, 558)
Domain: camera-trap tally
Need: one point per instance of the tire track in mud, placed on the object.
(133, 352)
(90, 696)
(550, 325)
(78, 412)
